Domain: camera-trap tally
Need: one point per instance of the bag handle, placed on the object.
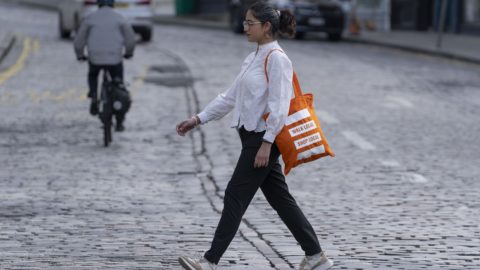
(296, 84)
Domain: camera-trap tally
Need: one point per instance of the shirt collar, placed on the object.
(267, 46)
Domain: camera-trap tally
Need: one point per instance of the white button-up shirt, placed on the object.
(251, 96)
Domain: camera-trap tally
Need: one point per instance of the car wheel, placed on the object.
(236, 20)
(335, 36)
(146, 35)
(300, 35)
(64, 34)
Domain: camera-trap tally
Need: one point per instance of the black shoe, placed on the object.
(119, 128)
(94, 108)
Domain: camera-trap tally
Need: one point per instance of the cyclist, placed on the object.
(107, 35)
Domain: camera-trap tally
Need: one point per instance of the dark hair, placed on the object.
(283, 23)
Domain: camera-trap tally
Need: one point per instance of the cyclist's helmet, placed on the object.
(105, 2)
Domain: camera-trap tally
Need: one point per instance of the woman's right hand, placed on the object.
(186, 125)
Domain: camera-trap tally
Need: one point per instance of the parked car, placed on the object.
(138, 12)
(311, 15)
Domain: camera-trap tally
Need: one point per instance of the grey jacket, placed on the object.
(105, 33)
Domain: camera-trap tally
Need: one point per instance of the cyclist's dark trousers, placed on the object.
(242, 187)
(116, 71)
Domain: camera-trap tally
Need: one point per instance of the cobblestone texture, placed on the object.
(411, 202)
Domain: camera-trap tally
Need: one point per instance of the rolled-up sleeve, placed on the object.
(280, 91)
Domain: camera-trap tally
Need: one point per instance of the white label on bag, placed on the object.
(297, 116)
(310, 152)
(304, 142)
(300, 129)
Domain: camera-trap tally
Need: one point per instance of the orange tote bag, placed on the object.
(301, 140)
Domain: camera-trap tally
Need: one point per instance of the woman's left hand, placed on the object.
(263, 155)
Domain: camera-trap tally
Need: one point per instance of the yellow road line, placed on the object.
(36, 46)
(18, 66)
(70, 94)
(139, 81)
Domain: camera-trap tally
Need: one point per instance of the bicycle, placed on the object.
(114, 100)
(105, 107)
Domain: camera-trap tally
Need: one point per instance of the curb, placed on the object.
(6, 45)
(431, 52)
(191, 22)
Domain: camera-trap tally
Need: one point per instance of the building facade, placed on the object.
(461, 16)
(471, 17)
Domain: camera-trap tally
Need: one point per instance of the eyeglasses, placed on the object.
(247, 24)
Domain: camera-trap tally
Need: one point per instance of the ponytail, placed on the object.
(282, 21)
(287, 23)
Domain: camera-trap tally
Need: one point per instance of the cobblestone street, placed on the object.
(401, 193)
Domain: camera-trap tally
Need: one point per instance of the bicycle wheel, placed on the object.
(106, 108)
(107, 123)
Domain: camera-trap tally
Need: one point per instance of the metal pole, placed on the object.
(441, 24)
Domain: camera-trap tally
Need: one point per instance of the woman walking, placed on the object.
(250, 97)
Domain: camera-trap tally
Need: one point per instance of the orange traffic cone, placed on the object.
(354, 27)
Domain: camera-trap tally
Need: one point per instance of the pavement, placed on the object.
(460, 47)
(402, 192)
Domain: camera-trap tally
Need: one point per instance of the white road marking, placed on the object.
(396, 101)
(358, 140)
(462, 211)
(414, 178)
(326, 117)
(390, 163)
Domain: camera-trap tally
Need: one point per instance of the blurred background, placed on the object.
(396, 86)
(462, 16)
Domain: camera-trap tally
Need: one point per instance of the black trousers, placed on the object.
(240, 191)
(115, 71)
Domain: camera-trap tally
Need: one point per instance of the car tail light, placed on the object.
(144, 2)
(90, 2)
